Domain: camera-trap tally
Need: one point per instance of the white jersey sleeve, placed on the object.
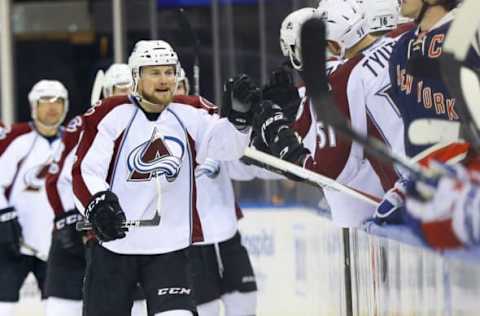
(214, 137)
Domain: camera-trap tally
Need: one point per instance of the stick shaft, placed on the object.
(310, 176)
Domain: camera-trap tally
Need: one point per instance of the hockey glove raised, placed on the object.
(282, 91)
(65, 235)
(106, 215)
(10, 231)
(241, 95)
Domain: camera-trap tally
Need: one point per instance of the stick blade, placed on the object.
(97, 87)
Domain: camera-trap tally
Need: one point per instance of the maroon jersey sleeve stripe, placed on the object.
(92, 118)
(197, 230)
(70, 140)
(11, 133)
(303, 123)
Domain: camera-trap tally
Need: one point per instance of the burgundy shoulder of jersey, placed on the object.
(72, 133)
(401, 29)
(197, 102)
(9, 133)
(100, 109)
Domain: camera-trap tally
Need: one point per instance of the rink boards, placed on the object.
(298, 258)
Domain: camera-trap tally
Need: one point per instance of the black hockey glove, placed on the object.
(66, 236)
(281, 90)
(241, 95)
(10, 231)
(268, 121)
(106, 216)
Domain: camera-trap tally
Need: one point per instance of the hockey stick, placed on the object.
(309, 176)
(314, 75)
(154, 221)
(185, 25)
(432, 131)
(462, 82)
(97, 87)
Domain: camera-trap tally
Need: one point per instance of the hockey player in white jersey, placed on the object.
(26, 217)
(358, 86)
(66, 263)
(136, 159)
(221, 268)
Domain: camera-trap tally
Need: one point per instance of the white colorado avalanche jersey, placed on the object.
(24, 159)
(360, 87)
(124, 151)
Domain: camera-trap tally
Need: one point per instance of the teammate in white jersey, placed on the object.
(358, 86)
(222, 271)
(66, 262)
(26, 217)
(135, 159)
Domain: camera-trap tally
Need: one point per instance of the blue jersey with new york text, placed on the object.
(417, 87)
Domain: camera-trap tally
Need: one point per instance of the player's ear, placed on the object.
(334, 48)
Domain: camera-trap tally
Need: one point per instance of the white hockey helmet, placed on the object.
(182, 77)
(151, 53)
(382, 15)
(345, 22)
(51, 90)
(290, 35)
(118, 75)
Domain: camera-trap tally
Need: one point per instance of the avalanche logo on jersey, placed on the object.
(34, 178)
(161, 155)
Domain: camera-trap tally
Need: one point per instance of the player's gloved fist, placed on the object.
(241, 95)
(65, 235)
(282, 91)
(392, 207)
(210, 168)
(10, 231)
(106, 216)
(269, 121)
(288, 146)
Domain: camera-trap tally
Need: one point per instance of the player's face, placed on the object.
(411, 8)
(181, 89)
(157, 84)
(121, 90)
(50, 111)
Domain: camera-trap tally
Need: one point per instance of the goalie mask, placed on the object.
(345, 21)
(151, 53)
(117, 76)
(48, 91)
(290, 35)
(381, 15)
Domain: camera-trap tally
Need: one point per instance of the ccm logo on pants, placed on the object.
(174, 291)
